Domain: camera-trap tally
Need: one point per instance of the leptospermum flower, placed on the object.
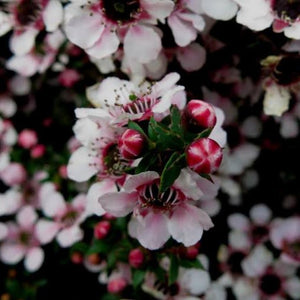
(99, 26)
(66, 217)
(285, 235)
(261, 14)
(156, 215)
(122, 100)
(22, 241)
(27, 18)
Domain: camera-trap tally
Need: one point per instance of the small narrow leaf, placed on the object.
(138, 277)
(174, 269)
(136, 126)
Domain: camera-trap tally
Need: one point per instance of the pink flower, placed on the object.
(157, 216)
(38, 151)
(67, 217)
(204, 155)
(22, 241)
(285, 235)
(68, 77)
(121, 100)
(27, 138)
(99, 26)
(131, 144)
(27, 18)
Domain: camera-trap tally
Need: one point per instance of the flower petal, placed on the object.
(53, 15)
(22, 43)
(118, 204)
(27, 216)
(34, 259)
(260, 214)
(160, 9)
(220, 9)
(140, 179)
(46, 231)
(67, 237)
(11, 253)
(142, 43)
(152, 231)
(187, 223)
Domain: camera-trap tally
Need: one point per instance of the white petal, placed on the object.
(67, 237)
(260, 214)
(26, 65)
(53, 15)
(34, 259)
(11, 253)
(86, 131)
(220, 9)
(157, 8)
(187, 223)
(22, 43)
(192, 57)
(46, 231)
(84, 29)
(293, 31)
(3, 231)
(239, 240)
(142, 43)
(292, 287)
(81, 165)
(118, 204)
(184, 33)
(152, 231)
(106, 45)
(53, 204)
(6, 23)
(135, 181)
(96, 190)
(238, 221)
(27, 216)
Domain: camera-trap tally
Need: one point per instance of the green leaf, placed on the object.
(174, 269)
(138, 277)
(176, 120)
(148, 160)
(205, 133)
(99, 246)
(191, 263)
(110, 297)
(207, 176)
(137, 127)
(171, 171)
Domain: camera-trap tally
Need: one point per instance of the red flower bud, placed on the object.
(201, 114)
(191, 252)
(131, 144)
(77, 257)
(116, 285)
(204, 155)
(136, 258)
(101, 229)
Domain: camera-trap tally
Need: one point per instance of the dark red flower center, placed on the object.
(270, 284)
(27, 11)
(287, 9)
(121, 10)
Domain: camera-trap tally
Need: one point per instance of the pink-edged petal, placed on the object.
(95, 192)
(197, 21)
(27, 216)
(34, 259)
(132, 227)
(152, 231)
(81, 166)
(183, 32)
(53, 15)
(11, 253)
(192, 57)
(22, 43)
(46, 230)
(135, 181)
(157, 8)
(220, 9)
(218, 134)
(84, 29)
(67, 237)
(106, 45)
(187, 223)
(142, 43)
(53, 204)
(260, 214)
(194, 5)
(118, 204)
(26, 65)
(79, 202)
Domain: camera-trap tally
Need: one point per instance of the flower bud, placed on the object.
(94, 259)
(116, 285)
(77, 257)
(101, 229)
(38, 151)
(200, 114)
(136, 258)
(131, 144)
(191, 252)
(204, 155)
(27, 138)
